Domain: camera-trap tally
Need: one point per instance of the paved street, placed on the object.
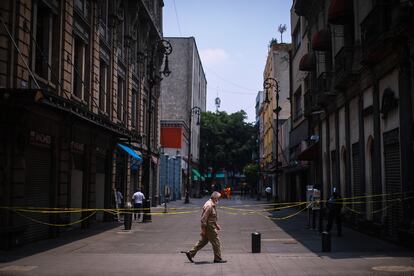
(288, 248)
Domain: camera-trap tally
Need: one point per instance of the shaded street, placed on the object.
(288, 248)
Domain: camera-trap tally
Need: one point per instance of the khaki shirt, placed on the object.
(209, 214)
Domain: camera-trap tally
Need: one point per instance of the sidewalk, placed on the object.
(288, 248)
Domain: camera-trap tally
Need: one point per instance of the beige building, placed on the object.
(276, 73)
(357, 66)
(78, 79)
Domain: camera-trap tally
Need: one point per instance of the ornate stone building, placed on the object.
(78, 78)
(358, 97)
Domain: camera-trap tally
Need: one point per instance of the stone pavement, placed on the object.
(288, 248)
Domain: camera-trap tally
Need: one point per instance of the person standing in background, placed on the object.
(138, 199)
(118, 202)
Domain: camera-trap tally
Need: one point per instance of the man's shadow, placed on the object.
(203, 263)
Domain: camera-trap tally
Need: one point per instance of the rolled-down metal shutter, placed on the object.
(356, 177)
(100, 187)
(392, 180)
(37, 191)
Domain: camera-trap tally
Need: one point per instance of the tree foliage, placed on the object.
(251, 171)
(227, 141)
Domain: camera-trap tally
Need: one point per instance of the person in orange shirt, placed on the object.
(228, 192)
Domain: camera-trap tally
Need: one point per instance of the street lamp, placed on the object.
(269, 84)
(194, 111)
(164, 48)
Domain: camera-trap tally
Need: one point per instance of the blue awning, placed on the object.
(131, 152)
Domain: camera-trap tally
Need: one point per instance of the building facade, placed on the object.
(182, 95)
(358, 66)
(78, 79)
(277, 68)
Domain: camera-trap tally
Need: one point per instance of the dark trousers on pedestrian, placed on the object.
(337, 218)
(138, 210)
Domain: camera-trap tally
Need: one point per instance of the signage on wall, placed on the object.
(38, 138)
(77, 147)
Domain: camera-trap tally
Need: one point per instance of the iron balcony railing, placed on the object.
(375, 25)
(343, 66)
(324, 83)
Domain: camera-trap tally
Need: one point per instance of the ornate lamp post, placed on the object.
(164, 48)
(194, 111)
(268, 85)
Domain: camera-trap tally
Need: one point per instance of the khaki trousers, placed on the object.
(212, 237)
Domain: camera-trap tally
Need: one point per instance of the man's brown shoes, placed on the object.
(188, 256)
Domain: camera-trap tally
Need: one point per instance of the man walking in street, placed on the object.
(209, 230)
(138, 199)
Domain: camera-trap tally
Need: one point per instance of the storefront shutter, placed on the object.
(37, 192)
(392, 180)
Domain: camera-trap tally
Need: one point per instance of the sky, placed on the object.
(232, 38)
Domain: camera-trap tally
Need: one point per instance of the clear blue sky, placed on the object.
(232, 37)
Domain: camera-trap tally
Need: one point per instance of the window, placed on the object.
(298, 104)
(121, 100)
(43, 44)
(103, 87)
(79, 71)
(296, 37)
(134, 113)
(121, 35)
(103, 19)
(82, 6)
(144, 116)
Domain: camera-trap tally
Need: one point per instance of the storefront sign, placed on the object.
(37, 138)
(77, 147)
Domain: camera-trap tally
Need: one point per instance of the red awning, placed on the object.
(310, 153)
(321, 40)
(307, 62)
(340, 12)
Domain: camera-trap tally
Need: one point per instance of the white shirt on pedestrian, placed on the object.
(268, 190)
(119, 197)
(138, 197)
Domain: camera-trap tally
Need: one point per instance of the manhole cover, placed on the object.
(394, 268)
(18, 268)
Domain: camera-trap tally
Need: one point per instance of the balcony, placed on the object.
(343, 67)
(324, 84)
(307, 62)
(321, 40)
(381, 28)
(301, 7)
(340, 12)
(307, 97)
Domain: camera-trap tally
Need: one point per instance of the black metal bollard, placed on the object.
(256, 242)
(326, 241)
(146, 205)
(127, 221)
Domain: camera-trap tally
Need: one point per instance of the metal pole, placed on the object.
(187, 191)
(277, 139)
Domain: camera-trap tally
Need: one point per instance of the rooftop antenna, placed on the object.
(217, 101)
(282, 29)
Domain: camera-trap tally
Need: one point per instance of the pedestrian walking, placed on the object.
(138, 198)
(268, 191)
(118, 202)
(209, 230)
(334, 205)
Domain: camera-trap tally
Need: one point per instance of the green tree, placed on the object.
(227, 141)
(251, 171)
